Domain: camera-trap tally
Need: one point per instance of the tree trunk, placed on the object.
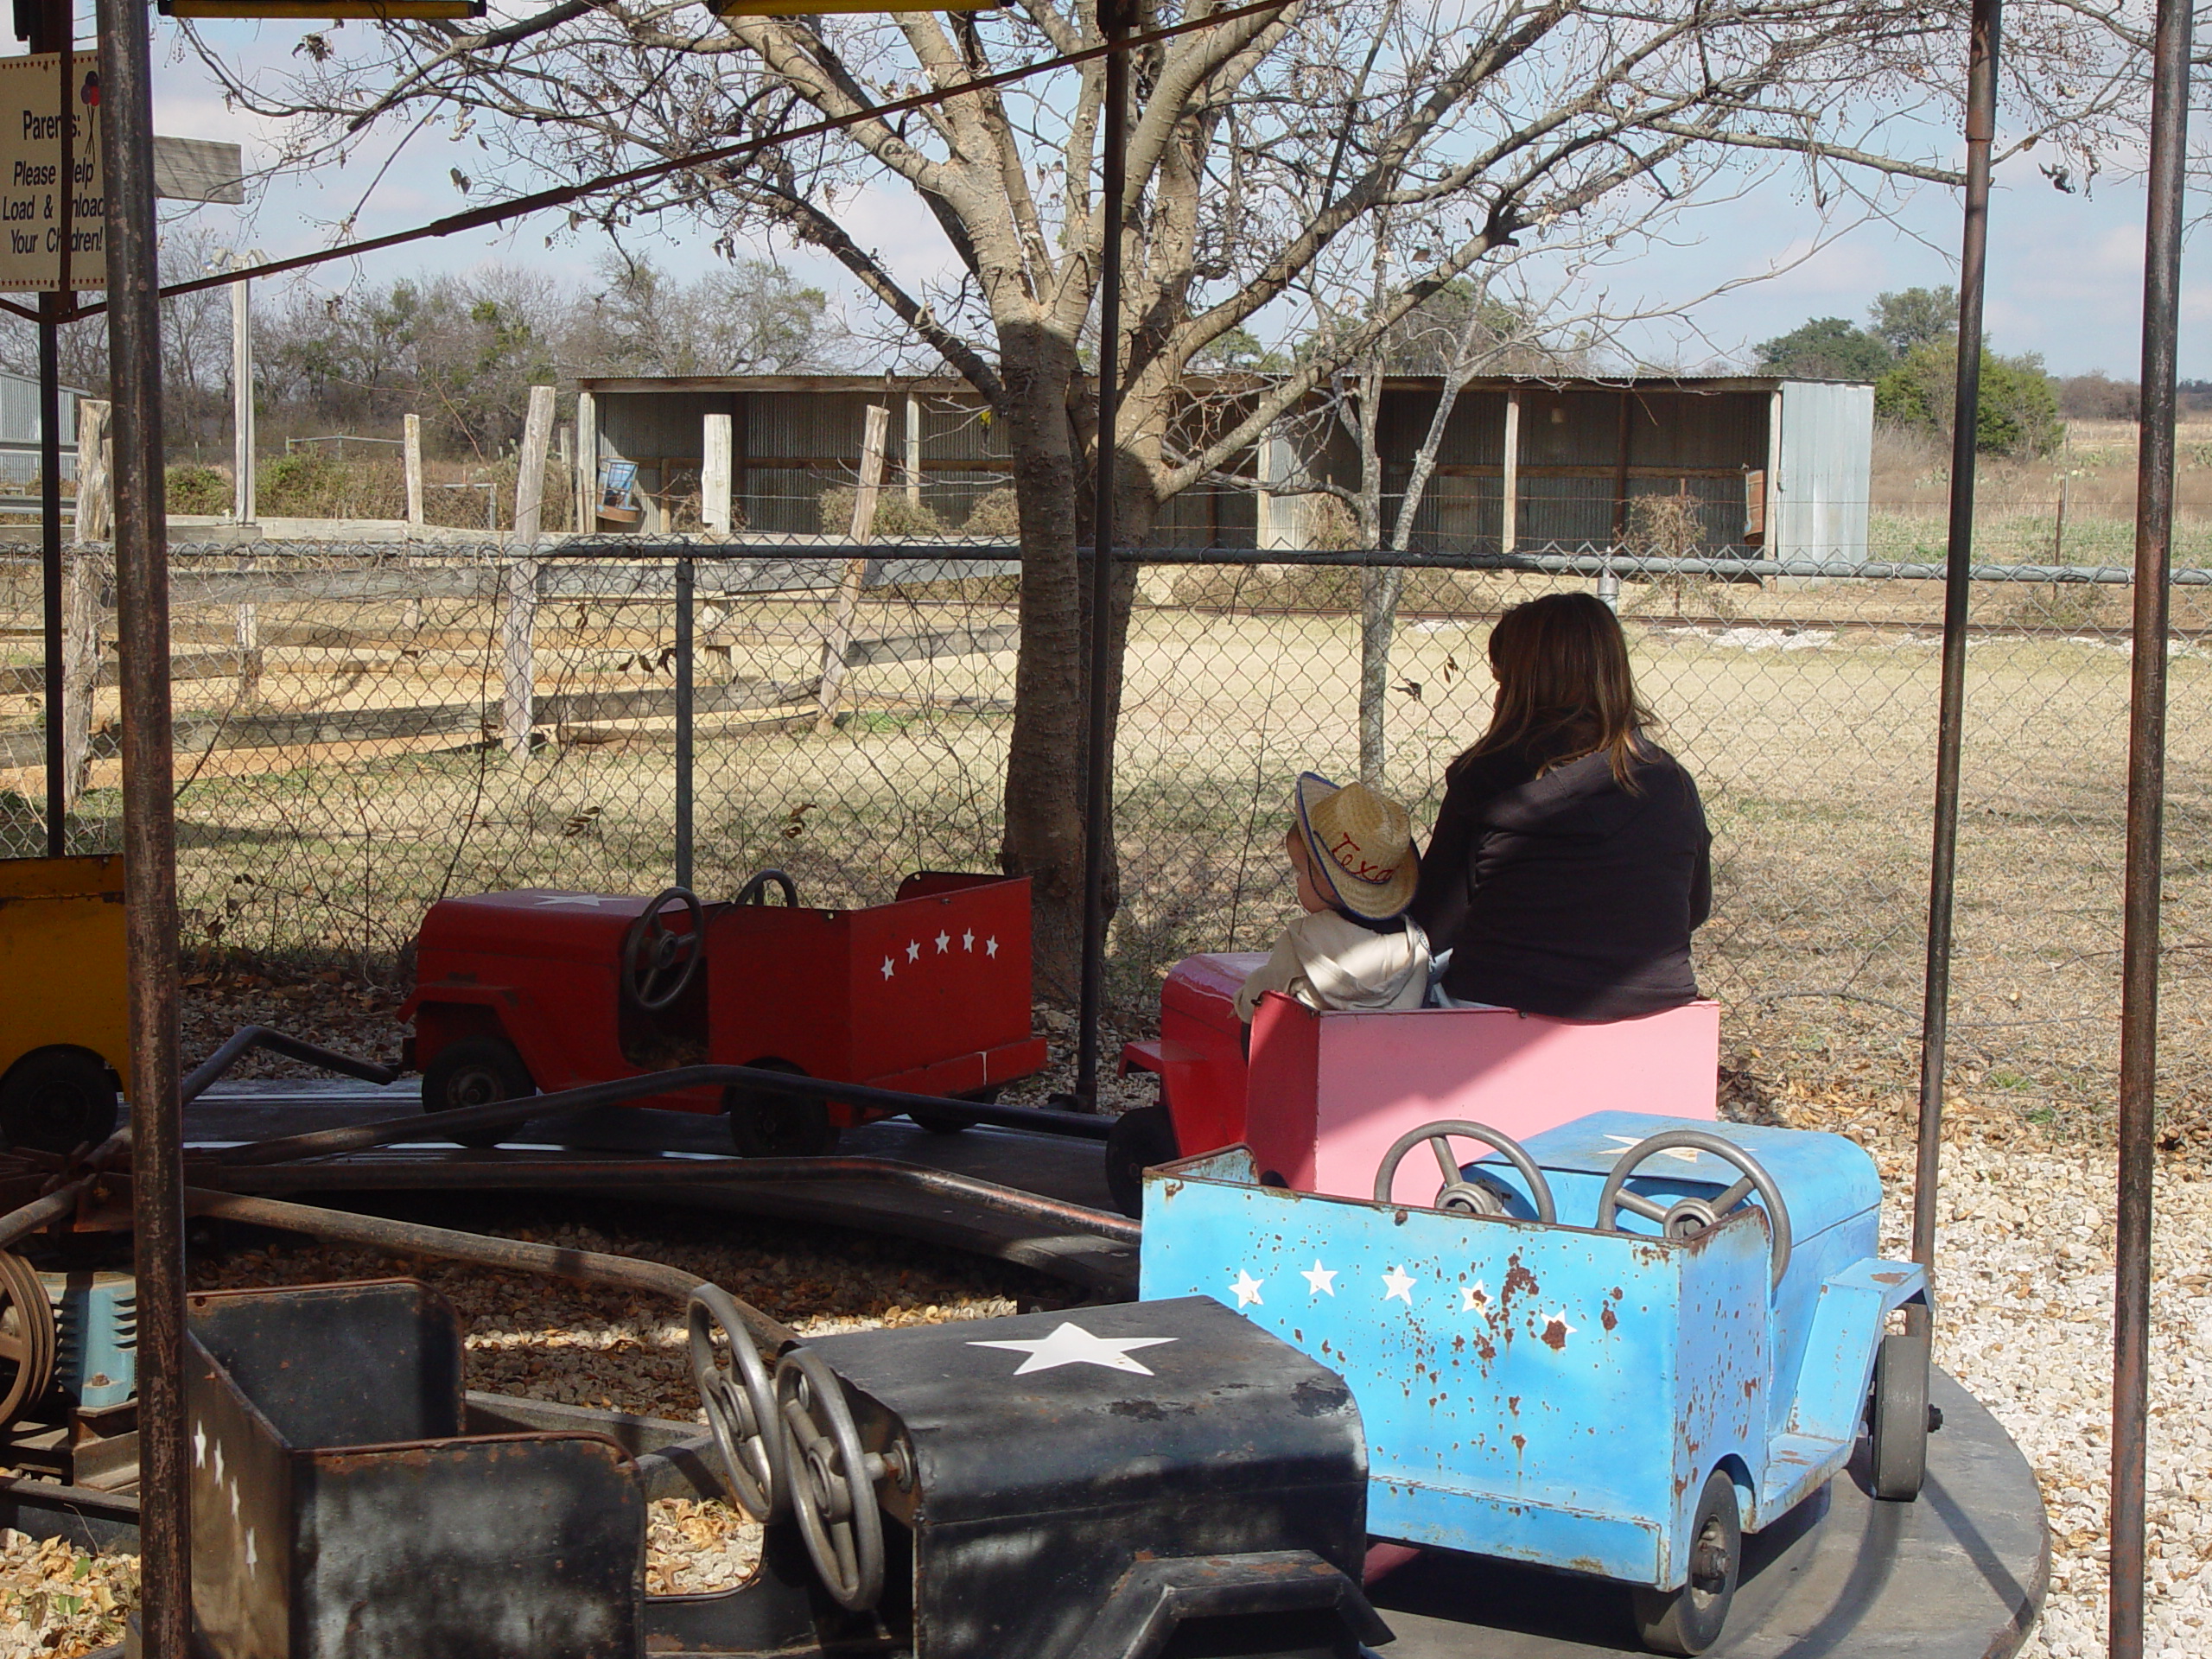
(1378, 589)
(1044, 790)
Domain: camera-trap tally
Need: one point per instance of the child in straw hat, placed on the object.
(1355, 948)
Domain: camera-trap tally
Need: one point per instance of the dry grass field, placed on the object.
(1807, 711)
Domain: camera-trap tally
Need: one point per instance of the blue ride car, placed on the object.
(1614, 1350)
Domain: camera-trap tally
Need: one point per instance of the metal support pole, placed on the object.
(148, 823)
(52, 29)
(1098, 781)
(1942, 862)
(49, 468)
(683, 699)
(2146, 784)
(243, 448)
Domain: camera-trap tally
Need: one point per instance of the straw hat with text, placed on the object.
(1362, 845)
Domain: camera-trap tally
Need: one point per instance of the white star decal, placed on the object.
(1688, 1154)
(990, 947)
(1073, 1345)
(583, 900)
(200, 1445)
(943, 943)
(968, 940)
(1560, 1320)
(218, 1462)
(253, 1557)
(234, 1501)
(1399, 1283)
(913, 950)
(1322, 1280)
(1473, 1296)
(887, 968)
(1247, 1288)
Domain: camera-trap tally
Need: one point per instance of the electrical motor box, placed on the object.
(96, 1336)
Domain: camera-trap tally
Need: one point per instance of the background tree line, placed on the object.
(1909, 348)
(462, 351)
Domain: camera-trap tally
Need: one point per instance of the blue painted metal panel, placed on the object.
(1560, 1394)
(1505, 1371)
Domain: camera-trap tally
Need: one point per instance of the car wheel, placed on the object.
(766, 1125)
(1896, 1419)
(1139, 1138)
(57, 1099)
(937, 1123)
(475, 1071)
(1688, 1620)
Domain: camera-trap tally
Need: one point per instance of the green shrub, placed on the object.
(2017, 414)
(197, 489)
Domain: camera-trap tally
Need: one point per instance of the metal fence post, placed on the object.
(1942, 862)
(2146, 778)
(1114, 16)
(684, 587)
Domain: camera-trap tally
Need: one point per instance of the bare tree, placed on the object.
(1264, 152)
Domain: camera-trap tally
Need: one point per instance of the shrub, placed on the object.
(1330, 524)
(997, 512)
(2017, 414)
(197, 489)
(896, 520)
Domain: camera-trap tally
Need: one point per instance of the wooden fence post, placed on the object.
(529, 475)
(95, 450)
(1509, 485)
(517, 669)
(411, 432)
(518, 598)
(849, 586)
(84, 584)
(910, 454)
(587, 474)
(248, 636)
(714, 502)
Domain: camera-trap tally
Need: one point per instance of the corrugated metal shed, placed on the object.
(1590, 449)
(19, 428)
(1823, 470)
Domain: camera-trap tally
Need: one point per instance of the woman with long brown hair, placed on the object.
(1571, 860)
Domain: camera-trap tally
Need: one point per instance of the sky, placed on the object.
(2065, 271)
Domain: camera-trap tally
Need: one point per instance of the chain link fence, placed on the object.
(363, 729)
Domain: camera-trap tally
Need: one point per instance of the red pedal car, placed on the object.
(540, 990)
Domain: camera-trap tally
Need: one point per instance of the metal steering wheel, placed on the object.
(755, 892)
(741, 1403)
(658, 963)
(832, 1481)
(1480, 1196)
(1687, 1218)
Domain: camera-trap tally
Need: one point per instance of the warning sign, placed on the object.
(53, 205)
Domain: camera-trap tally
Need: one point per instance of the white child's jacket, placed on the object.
(1328, 961)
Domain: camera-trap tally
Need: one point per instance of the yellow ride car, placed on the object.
(63, 1026)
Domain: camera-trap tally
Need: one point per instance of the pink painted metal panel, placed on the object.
(1330, 1091)
(1325, 1094)
(1378, 1075)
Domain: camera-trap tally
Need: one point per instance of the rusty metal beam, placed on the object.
(2146, 781)
(1982, 50)
(561, 1172)
(148, 820)
(509, 1114)
(413, 1238)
